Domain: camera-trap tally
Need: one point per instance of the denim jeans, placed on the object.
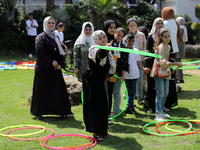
(117, 96)
(162, 91)
(131, 87)
(139, 86)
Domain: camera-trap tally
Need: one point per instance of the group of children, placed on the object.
(129, 67)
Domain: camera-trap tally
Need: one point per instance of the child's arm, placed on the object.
(139, 65)
(64, 46)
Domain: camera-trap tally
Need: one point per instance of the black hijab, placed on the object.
(106, 25)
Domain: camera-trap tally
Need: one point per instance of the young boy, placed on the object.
(132, 74)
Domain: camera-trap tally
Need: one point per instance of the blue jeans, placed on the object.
(117, 96)
(131, 87)
(139, 86)
(162, 91)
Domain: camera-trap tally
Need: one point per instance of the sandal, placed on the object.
(99, 138)
(140, 102)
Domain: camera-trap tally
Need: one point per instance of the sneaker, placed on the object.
(110, 122)
(166, 109)
(124, 96)
(164, 115)
(149, 111)
(113, 114)
(178, 87)
(71, 114)
(30, 55)
(158, 117)
(130, 110)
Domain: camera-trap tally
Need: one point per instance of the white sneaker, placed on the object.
(30, 55)
(158, 117)
(166, 109)
(164, 115)
(149, 111)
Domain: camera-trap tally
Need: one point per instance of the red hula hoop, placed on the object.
(179, 134)
(71, 147)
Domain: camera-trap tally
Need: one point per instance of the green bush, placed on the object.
(195, 27)
(197, 11)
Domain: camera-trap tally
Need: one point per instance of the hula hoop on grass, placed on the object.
(125, 102)
(73, 147)
(27, 134)
(156, 128)
(189, 132)
(152, 133)
(53, 132)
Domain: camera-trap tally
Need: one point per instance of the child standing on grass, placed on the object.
(60, 35)
(162, 48)
(132, 74)
(119, 35)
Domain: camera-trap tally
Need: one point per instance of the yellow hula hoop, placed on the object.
(166, 126)
(27, 134)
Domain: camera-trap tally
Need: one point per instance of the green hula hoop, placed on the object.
(166, 126)
(152, 133)
(125, 102)
(27, 134)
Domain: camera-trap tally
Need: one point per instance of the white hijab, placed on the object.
(84, 38)
(93, 50)
(181, 22)
(52, 34)
(154, 31)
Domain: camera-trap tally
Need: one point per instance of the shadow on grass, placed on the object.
(68, 122)
(182, 112)
(121, 143)
(186, 94)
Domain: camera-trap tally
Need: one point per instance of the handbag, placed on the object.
(162, 73)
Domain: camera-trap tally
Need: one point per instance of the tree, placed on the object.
(50, 5)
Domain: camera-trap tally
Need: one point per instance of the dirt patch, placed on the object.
(195, 71)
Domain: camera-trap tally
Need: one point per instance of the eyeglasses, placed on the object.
(159, 23)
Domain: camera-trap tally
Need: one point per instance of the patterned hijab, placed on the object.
(82, 37)
(93, 51)
(51, 34)
(167, 13)
(154, 30)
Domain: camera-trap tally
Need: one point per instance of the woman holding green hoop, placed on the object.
(95, 106)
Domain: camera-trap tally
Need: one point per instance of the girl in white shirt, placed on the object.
(60, 35)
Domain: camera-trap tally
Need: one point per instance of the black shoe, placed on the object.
(39, 117)
(181, 81)
(71, 114)
(130, 110)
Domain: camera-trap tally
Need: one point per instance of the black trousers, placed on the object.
(31, 44)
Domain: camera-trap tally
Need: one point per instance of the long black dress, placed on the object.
(49, 90)
(148, 62)
(95, 107)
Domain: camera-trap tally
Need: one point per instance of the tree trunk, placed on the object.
(50, 5)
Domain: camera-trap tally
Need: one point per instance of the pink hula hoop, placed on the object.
(61, 148)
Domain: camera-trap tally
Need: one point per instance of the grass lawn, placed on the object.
(124, 134)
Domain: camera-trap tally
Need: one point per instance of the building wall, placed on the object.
(181, 7)
(188, 7)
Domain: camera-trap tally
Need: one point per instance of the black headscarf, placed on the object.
(106, 25)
